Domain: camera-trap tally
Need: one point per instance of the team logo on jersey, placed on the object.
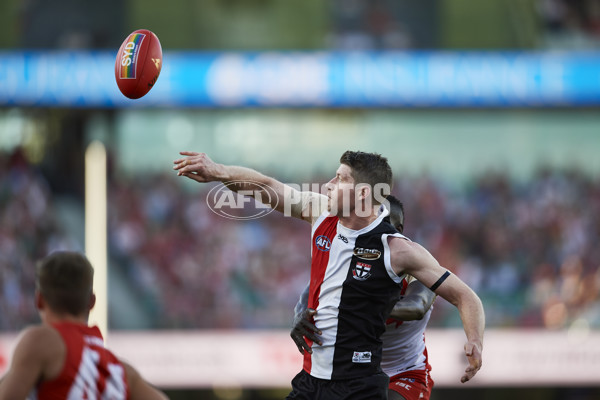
(323, 243)
(361, 271)
(361, 357)
(367, 254)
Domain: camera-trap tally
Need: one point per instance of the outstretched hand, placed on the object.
(197, 166)
(304, 328)
(473, 353)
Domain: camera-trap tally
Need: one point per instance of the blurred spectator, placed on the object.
(573, 24)
(29, 230)
(368, 25)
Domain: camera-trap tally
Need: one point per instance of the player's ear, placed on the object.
(363, 191)
(92, 301)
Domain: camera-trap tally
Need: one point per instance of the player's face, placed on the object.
(340, 192)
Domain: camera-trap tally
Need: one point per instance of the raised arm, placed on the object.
(414, 304)
(409, 257)
(245, 181)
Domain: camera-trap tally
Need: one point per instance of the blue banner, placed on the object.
(310, 79)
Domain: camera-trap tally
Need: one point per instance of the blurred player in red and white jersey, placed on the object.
(63, 357)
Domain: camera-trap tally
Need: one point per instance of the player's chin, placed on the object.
(332, 210)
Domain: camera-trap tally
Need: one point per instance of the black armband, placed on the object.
(439, 281)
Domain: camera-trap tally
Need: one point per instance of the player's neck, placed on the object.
(356, 222)
(51, 317)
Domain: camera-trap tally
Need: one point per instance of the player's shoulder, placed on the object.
(401, 243)
(41, 341)
(402, 248)
(42, 333)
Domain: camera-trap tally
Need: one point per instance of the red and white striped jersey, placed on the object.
(404, 346)
(90, 371)
(352, 287)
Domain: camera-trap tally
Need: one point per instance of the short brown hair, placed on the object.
(369, 168)
(65, 280)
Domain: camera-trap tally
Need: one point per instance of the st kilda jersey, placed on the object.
(90, 370)
(352, 287)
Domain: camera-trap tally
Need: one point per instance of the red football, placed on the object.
(138, 63)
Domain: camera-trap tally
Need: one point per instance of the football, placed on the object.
(138, 63)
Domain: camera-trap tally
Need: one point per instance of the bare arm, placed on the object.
(303, 327)
(414, 304)
(139, 389)
(302, 303)
(472, 315)
(34, 357)
(409, 257)
(279, 196)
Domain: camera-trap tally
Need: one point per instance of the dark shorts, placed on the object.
(307, 387)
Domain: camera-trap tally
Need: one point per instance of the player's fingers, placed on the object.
(469, 373)
(308, 314)
(306, 347)
(471, 370)
(182, 164)
(299, 346)
(313, 337)
(300, 342)
(297, 341)
(179, 160)
(309, 326)
(189, 153)
(194, 177)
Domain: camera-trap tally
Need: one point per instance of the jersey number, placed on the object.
(90, 385)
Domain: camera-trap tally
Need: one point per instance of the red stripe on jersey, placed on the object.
(321, 245)
(404, 286)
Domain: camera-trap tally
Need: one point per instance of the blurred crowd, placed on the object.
(29, 229)
(571, 23)
(368, 25)
(194, 268)
(399, 25)
(528, 248)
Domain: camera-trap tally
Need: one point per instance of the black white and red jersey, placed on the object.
(352, 287)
